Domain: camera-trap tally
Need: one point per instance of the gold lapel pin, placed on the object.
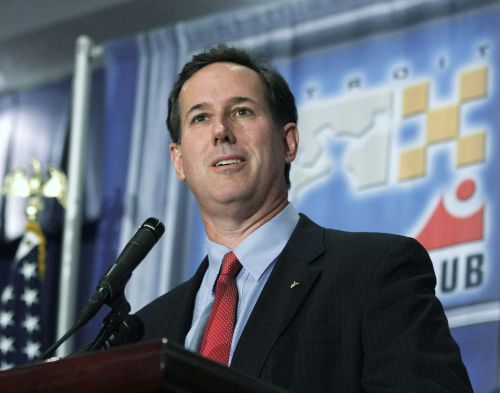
(294, 284)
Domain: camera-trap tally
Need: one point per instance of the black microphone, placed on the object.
(130, 331)
(120, 272)
(110, 288)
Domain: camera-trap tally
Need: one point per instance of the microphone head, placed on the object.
(155, 225)
(129, 331)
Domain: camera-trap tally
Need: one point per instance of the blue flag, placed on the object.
(20, 311)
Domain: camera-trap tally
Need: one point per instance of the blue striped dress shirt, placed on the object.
(257, 254)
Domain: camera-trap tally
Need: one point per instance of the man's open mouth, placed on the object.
(227, 162)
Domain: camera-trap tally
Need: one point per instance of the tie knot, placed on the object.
(230, 265)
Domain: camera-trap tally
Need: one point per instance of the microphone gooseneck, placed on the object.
(119, 273)
(110, 289)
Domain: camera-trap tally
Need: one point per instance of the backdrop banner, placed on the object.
(398, 135)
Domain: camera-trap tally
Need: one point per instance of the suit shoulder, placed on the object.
(158, 305)
(356, 245)
(369, 239)
(373, 246)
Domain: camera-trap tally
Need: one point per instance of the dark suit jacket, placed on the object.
(363, 318)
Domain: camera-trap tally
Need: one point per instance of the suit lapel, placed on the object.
(182, 304)
(286, 289)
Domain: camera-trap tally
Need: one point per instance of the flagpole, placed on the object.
(84, 53)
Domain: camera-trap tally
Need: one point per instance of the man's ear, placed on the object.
(290, 141)
(176, 156)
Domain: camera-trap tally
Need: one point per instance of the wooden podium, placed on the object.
(154, 366)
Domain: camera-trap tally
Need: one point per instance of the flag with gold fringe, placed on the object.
(20, 308)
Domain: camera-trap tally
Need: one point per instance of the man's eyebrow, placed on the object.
(240, 99)
(200, 106)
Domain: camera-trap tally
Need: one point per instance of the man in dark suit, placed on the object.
(310, 309)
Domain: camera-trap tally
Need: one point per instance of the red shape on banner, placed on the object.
(466, 189)
(444, 229)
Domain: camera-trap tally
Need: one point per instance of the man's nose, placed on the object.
(223, 131)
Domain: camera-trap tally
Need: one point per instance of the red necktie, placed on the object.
(218, 335)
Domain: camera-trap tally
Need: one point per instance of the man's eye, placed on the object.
(199, 118)
(243, 111)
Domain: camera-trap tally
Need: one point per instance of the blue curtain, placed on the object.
(33, 125)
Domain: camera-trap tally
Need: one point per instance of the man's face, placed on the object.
(231, 153)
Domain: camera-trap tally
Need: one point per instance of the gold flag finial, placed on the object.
(36, 187)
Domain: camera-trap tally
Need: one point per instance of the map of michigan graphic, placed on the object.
(364, 120)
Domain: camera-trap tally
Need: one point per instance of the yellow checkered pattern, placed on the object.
(443, 124)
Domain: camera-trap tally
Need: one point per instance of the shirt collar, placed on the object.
(259, 249)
